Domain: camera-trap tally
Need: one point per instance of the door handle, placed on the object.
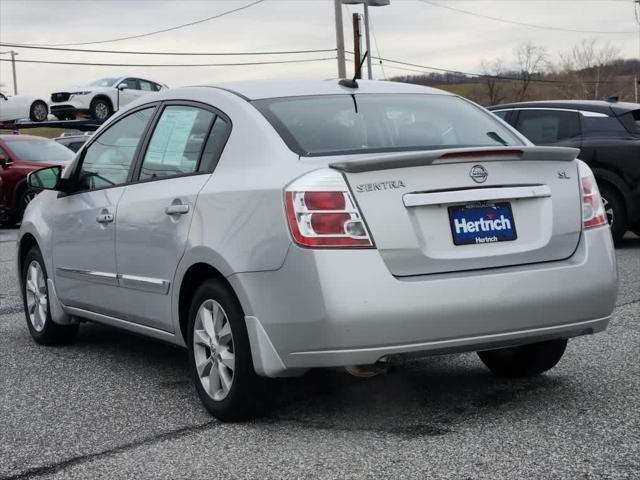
(105, 218)
(177, 209)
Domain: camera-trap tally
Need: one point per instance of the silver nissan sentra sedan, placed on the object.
(274, 227)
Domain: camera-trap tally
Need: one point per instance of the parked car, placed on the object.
(21, 107)
(608, 136)
(19, 156)
(274, 227)
(73, 141)
(101, 98)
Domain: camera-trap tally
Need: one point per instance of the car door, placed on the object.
(129, 94)
(560, 128)
(11, 108)
(83, 222)
(154, 214)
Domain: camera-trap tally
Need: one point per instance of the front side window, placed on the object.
(130, 83)
(367, 123)
(544, 127)
(177, 142)
(39, 150)
(107, 161)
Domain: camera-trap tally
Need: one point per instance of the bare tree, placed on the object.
(588, 65)
(532, 60)
(491, 72)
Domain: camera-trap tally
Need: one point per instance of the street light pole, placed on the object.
(342, 68)
(13, 68)
(367, 40)
(367, 4)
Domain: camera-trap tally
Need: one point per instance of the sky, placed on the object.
(407, 30)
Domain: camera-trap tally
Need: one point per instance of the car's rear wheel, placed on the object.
(615, 210)
(39, 111)
(220, 355)
(35, 296)
(100, 109)
(526, 360)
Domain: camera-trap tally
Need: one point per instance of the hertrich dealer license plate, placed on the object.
(482, 223)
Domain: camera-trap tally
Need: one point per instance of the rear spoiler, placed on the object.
(387, 161)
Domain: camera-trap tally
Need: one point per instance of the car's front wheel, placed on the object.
(38, 111)
(220, 355)
(35, 296)
(525, 360)
(100, 109)
(615, 211)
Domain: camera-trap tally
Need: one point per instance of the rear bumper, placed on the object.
(334, 308)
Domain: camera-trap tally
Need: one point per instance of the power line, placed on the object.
(523, 24)
(139, 52)
(155, 32)
(472, 74)
(150, 65)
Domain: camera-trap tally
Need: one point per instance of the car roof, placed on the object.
(599, 106)
(22, 137)
(260, 89)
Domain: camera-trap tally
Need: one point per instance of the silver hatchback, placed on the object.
(274, 227)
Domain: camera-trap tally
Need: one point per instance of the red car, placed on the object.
(19, 156)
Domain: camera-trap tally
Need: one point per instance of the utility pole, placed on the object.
(342, 68)
(13, 67)
(356, 45)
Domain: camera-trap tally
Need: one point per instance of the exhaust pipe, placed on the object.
(368, 371)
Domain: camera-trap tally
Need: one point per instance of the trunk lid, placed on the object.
(418, 205)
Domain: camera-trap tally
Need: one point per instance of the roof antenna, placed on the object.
(352, 83)
(612, 99)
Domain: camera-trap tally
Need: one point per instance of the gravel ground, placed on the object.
(114, 405)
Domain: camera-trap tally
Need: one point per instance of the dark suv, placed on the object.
(608, 136)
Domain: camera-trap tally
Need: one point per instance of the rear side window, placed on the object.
(107, 161)
(631, 121)
(177, 142)
(545, 127)
(367, 123)
(146, 86)
(501, 114)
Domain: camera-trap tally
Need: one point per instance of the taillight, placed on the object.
(322, 213)
(593, 214)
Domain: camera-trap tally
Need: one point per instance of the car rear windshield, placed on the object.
(369, 123)
(39, 150)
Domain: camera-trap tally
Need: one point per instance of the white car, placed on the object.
(101, 98)
(21, 107)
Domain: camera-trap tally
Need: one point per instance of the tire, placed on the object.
(35, 299)
(210, 355)
(615, 210)
(38, 111)
(100, 109)
(23, 201)
(525, 361)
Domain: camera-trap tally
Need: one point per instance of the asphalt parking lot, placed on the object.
(114, 405)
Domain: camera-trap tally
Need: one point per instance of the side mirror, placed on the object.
(4, 161)
(45, 179)
(123, 86)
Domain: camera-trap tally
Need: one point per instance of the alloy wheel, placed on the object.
(40, 112)
(36, 296)
(608, 210)
(27, 198)
(101, 110)
(213, 349)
